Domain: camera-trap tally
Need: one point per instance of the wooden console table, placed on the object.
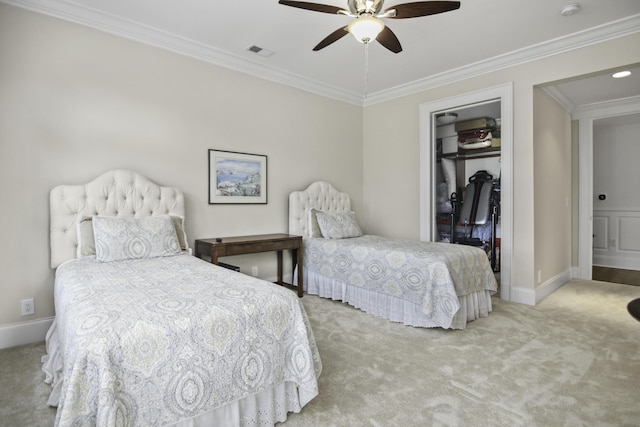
(242, 245)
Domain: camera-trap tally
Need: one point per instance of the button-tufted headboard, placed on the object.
(321, 196)
(114, 193)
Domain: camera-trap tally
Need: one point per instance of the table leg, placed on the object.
(280, 280)
(298, 261)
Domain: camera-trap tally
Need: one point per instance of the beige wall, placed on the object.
(391, 150)
(75, 102)
(552, 187)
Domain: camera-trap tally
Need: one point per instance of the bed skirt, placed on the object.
(472, 306)
(264, 408)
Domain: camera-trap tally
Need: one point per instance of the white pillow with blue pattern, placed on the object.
(87, 244)
(120, 238)
(338, 225)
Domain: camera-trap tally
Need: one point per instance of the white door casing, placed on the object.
(503, 93)
(585, 116)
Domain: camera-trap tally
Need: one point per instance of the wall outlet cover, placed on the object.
(27, 307)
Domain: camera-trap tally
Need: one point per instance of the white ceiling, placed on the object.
(481, 36)
(595, 89)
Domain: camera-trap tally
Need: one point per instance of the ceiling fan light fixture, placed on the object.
(366, 28)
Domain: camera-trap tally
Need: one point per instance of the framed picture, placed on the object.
(237, 178)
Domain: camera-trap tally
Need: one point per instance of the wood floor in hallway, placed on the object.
(616, 275)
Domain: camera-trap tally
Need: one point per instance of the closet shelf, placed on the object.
(472, 154)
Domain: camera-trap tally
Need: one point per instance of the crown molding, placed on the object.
(613, 108)
(559, 96)
(609, 31)
(101, 21)
(83, 15)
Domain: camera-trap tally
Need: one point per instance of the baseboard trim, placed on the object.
(534, 296)
(552, 285)
(625, 263)
(24, 333)
(522, 296)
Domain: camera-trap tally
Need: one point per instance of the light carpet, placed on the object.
(573, 360)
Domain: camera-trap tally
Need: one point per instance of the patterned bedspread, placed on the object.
(154, 341)
(431, 275)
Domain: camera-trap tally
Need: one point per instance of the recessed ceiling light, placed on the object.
(570, 9)
(621, 74)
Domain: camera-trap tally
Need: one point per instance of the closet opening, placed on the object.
(466, 175)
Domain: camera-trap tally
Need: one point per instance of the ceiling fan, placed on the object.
(367, 25)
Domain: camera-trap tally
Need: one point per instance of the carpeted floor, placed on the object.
(573, 360)
(23, 393)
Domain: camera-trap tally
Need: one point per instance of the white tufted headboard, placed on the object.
(114, 193)
(321, 196)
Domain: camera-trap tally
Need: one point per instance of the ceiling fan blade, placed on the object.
(333, 37)
(389, 40)
(316, 7)
(422, 8)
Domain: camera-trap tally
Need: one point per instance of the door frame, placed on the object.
(585, 116)
(428, 110)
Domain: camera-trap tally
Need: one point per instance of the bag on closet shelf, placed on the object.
(474, 139)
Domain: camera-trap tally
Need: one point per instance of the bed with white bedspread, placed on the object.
(146, 334)
(416, 283)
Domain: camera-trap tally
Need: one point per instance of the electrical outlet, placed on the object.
(254, 270)
(27, 307)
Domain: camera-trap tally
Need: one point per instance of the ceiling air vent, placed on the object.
(260, 51)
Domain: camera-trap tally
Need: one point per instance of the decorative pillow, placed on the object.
(86, 241)
(314, 228)
(178, 223)
(338, 225)
(119, 238)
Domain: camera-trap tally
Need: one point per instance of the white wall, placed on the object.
(391, 151)
(75, 102)
(616, 220)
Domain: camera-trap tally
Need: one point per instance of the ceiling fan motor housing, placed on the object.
(359, 7)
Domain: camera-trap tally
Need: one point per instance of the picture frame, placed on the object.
(237, 178)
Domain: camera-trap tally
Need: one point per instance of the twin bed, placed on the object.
(146, 334)
(416, 283)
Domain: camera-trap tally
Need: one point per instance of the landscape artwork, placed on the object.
(237, 177)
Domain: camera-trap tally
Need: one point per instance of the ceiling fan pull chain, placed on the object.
(366, 68)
